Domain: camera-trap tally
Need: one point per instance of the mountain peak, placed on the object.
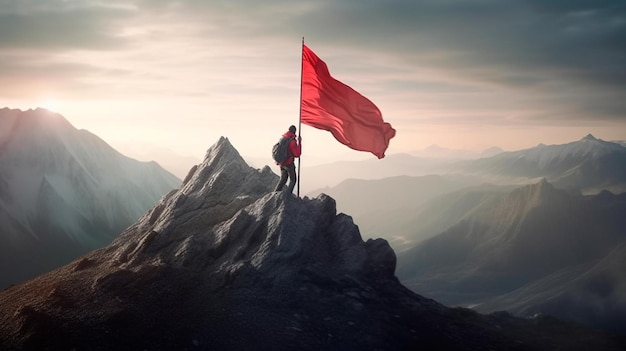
(223, 151)
(539, 192)
(589, 137)
(547, 159)
(229, 207)
(525, 198)
(225, 174)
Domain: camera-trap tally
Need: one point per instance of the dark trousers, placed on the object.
(288, 171)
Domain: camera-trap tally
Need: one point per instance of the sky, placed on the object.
(164, 80)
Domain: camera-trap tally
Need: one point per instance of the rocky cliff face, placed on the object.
(223, 263)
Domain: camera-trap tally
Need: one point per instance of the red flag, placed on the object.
(330, 105)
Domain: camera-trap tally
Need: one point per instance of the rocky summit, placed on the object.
(224, 263)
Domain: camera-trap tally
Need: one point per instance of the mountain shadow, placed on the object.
(224, 263)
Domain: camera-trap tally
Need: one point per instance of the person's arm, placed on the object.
(296, 147)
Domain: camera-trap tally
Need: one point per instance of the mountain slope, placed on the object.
(224, 263)
(531, 234)
(64, 192)
(405, 227)
(596, 290)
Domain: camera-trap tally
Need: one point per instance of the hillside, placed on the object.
(596, 290)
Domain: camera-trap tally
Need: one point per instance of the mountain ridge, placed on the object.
(588, 165)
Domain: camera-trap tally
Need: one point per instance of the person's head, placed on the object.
(292, 129)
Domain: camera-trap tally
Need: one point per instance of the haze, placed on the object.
(161, 78)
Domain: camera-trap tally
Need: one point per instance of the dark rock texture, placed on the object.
(225, 264)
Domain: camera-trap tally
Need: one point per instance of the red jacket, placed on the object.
(295, 148)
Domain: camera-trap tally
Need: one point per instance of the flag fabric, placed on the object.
(331, 105)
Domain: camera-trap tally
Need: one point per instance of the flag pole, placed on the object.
(300, 114)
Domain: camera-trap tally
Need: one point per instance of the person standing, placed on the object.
(287, 167)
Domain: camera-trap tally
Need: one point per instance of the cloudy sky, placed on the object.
(153, 77)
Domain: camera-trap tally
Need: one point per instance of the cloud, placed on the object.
(54, 25)
(473, 35)
(563, 59)
(567, 57)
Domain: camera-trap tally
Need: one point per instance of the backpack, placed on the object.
(280, 150)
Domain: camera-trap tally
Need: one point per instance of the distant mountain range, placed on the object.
(398, 208)
(387, 207)
(534, 231)
(537, 249)
(588, 165)
(436, 151)
(316, 179)
(64, 192)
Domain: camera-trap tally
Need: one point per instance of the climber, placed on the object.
(287, 167)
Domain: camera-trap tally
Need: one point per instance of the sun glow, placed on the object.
(50, 104)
